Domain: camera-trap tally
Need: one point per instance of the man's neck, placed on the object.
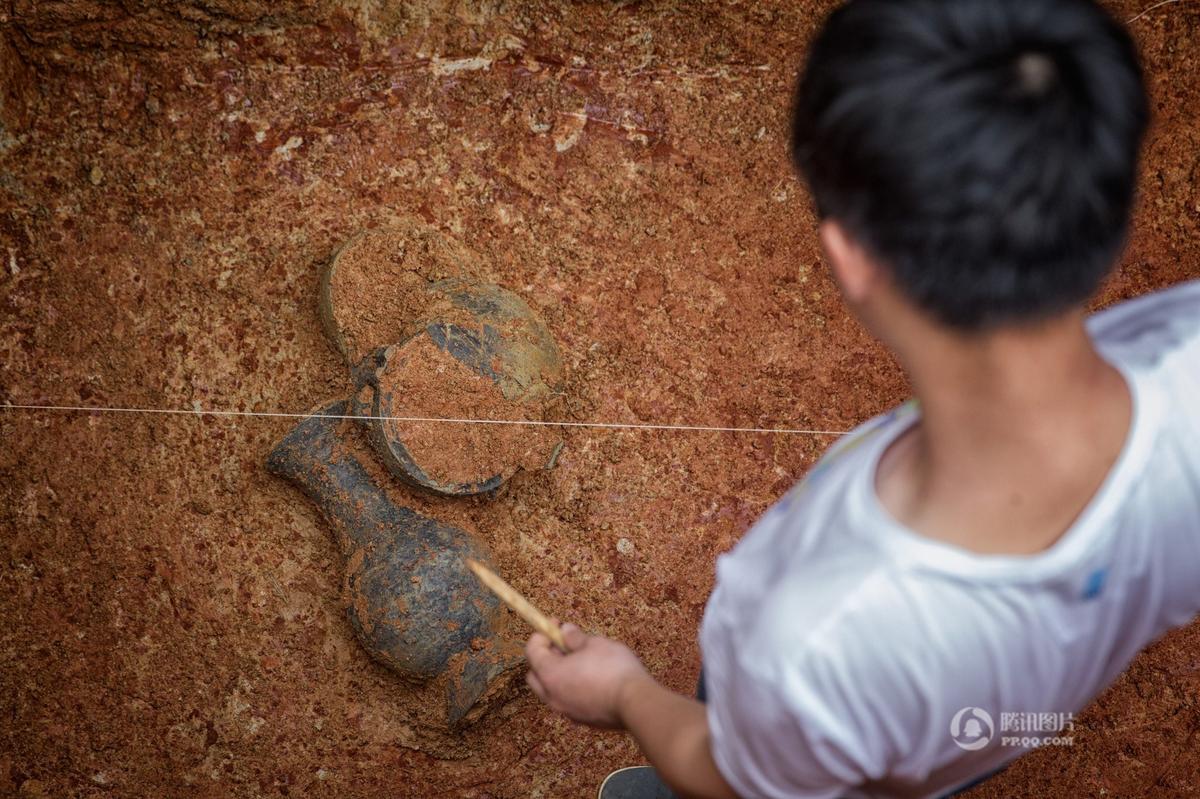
(1018, 430)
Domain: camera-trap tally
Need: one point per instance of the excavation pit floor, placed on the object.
(170, 189)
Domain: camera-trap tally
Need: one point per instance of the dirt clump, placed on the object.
(375, 290)
(422, 380)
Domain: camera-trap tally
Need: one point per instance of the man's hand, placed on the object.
(601, 683)
(586, 684)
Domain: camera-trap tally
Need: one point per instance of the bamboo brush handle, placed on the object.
(520, 605)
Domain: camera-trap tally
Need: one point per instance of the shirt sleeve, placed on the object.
(802, 730)
(1164, 325)
(1185, 360)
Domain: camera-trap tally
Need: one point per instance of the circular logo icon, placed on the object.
(972, 728)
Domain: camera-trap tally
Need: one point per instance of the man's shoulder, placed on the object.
(1155, 339)
(845, 459)
(838, 454)
(1153, 328)
(810, 551)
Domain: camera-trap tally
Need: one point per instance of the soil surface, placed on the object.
(172, 184)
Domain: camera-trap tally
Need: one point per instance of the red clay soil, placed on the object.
(171, 185)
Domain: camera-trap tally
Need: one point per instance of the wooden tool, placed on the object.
(520, 605)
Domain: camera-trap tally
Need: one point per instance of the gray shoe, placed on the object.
(635, 782)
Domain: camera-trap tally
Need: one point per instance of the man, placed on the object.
(995, 553)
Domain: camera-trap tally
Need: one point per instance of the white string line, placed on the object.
(1159, 4)
(446, 420)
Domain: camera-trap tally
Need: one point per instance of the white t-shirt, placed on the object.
(845, 655)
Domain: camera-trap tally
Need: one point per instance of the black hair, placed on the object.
(984, 150)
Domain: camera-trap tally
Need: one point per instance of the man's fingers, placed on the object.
(540, 652)
(535, 685)
(574, 637)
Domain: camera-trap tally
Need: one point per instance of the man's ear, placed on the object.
(853, 269)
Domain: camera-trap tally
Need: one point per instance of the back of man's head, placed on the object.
(984, 151)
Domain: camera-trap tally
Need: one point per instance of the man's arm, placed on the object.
(672, 731)
(602, 683)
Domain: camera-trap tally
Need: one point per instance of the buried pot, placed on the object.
(437, 359)
(447, 407)
(410, 598)
(428, 339)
